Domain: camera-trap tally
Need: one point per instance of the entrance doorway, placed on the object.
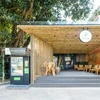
(66, 61)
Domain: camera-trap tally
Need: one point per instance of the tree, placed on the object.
(15, 11)
(95, 14)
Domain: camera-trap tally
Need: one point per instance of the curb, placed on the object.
(4, 83)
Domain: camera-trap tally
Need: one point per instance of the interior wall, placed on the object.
(81, 58)
(41, 52)
(94, 57)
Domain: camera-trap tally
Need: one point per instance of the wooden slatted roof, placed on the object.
(65, 38)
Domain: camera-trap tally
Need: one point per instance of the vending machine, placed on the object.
(19, 66)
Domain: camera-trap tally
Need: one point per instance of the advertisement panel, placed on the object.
(16, 66)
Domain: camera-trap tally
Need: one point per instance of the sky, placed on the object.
(96, 3)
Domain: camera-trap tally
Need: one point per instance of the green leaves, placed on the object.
(77, 9)
(12, 11)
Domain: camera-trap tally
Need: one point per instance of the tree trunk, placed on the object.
(14, 34)
(18, 37)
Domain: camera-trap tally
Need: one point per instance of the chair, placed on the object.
(94, 69)
(75, 67)
(88, 68)
(85, 67)
(97, 70)
(80, 67)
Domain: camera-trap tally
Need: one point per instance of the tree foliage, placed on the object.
(95, 15)
(13, 12)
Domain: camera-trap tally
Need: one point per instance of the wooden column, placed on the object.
(40, 52)
(32, 65)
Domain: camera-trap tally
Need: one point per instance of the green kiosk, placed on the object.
(19, 66)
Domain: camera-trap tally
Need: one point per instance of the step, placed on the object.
(66, 85)
(54, 78)
(69, 81)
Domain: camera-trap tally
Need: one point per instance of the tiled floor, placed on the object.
(76, 73)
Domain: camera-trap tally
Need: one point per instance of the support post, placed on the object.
(32, 60)
(3, 66)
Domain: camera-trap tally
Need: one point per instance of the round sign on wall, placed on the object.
(85, 36)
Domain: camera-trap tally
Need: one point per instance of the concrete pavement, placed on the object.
(50, 94)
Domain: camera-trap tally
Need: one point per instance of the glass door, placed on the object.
(65, 61)
(68, 61)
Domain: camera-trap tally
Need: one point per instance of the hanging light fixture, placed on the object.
(85, 36)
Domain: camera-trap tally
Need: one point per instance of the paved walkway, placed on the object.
(64, 93)
(50, 94)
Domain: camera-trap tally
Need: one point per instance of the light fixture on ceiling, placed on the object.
(85, 35)
(85, 28)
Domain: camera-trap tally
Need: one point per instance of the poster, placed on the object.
(67, 58)
(16, 66)
(26, 63)
(26, 70)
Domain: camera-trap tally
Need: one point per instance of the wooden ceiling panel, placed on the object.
(65, 39)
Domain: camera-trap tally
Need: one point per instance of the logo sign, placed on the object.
(85, 36)
(7, 51)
